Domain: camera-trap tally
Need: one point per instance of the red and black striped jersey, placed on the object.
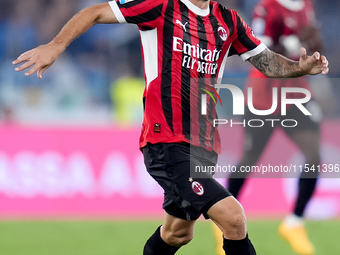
(184, 51)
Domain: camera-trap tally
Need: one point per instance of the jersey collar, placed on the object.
(195, 9)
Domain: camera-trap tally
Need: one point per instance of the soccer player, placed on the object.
(284, 25)
(182, 40)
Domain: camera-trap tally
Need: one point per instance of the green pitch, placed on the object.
(128, 237)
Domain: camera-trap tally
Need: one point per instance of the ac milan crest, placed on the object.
(197, 188)
(222, 33)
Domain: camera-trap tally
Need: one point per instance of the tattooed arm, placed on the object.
(274, 65)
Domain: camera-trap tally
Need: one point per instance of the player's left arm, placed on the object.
(274, 65)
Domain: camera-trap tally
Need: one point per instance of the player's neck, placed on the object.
(202, 4)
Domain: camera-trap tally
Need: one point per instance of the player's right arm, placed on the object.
(41, 58)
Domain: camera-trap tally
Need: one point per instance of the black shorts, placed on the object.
(184, 197)
(256, 138)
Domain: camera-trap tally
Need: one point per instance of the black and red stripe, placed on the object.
(166, 79)
(185, 77)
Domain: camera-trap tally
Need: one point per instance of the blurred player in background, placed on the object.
(182, 40)
(284, 26)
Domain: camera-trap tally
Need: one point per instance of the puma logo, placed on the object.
(180, 23)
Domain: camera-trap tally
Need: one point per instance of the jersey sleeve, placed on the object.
(246, 44)
(140, 12)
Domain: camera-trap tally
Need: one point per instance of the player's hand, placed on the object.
(38, 59)
(314, 64)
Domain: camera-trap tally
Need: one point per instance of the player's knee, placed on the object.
(238, 220)
(229, 215)
(235, 226)
(178, 238)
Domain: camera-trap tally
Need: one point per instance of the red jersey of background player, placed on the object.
(181, 43)
(281, 25)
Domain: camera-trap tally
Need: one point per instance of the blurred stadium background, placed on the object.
(72, 179)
